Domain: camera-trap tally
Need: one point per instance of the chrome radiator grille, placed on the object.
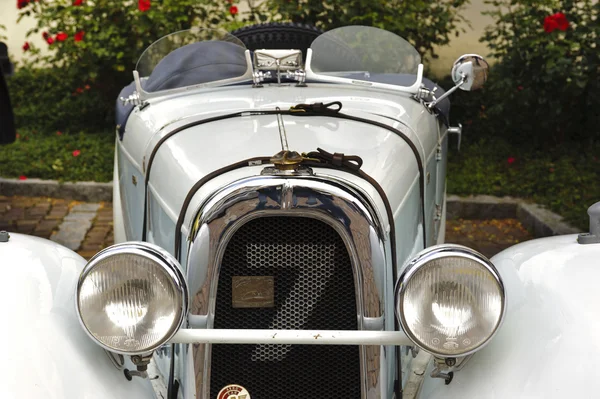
(313, 289)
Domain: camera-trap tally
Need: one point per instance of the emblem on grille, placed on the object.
(252, 291)
(233, 391)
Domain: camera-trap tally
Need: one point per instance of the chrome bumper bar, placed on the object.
(296, 337)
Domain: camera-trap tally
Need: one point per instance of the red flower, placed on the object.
(49, 40)
(61, 36)
(79, 90)
(58, 133)
(22, 3)
(18, 135)
(556, 21)
(78, 2)
(26, 46)
(87, 87)
(233, 10)
(551, 170)
(22, 177)
(143, 5)
(519, 88)
(511, 160)
(76, 153)
(561, 21)
(79, 36)
(45, 35)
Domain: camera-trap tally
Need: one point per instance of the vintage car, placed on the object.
(279, 211)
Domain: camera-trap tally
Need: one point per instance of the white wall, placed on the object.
(16, 32)
(466, 42)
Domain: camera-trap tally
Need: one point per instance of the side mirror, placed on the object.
(7, 119)
(469, 72)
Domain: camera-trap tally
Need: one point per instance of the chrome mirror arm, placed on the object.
(463, 80)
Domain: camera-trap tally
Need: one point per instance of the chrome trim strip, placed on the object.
(294, 337)
(333, 201)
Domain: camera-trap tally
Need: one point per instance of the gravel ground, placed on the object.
(486, 236)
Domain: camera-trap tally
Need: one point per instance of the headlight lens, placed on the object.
(450, 300)
(132, 297)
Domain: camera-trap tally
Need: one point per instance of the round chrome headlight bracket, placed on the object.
(438, 252)
(155, 253)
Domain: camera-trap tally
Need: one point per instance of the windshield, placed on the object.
(365, 53)
(191, 57)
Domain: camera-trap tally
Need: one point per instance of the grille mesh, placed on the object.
(314, 289)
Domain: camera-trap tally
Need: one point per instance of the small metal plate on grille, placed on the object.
(252, 291)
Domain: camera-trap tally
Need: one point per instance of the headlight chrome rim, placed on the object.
(434, 253)
(168, 264)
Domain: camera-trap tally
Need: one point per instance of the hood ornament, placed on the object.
(285, 159)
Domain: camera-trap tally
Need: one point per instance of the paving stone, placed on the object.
(72, 233)
(91, 247)
(46, 227)
(94, 241)
(80, 216)
(73, 245)
(37, 211)
(86, 207)
(26, 226)
(100, 229)
(14, 214)
(76, 226)
(57, 214)
(96, 234)
(41, 234)
(24, 202)
(4, 206)
(7, 226)
(106, 208)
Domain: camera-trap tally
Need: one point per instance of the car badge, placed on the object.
(252, 292)
(233, 391)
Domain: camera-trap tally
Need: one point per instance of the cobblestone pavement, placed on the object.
(82, 227)
(87, 227)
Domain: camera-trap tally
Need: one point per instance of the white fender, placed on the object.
(45, 352)
(548, 346)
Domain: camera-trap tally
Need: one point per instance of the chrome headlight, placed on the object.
(132, 297)
(450, 300)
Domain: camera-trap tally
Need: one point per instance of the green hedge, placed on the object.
(59, 156)
(545, 89)
(46, 99)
